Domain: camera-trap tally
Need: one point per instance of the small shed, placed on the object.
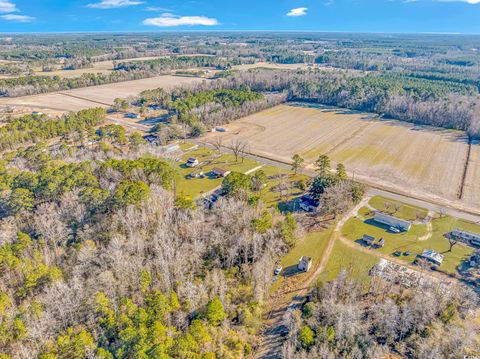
(368, 239)
(220, 172)
(192, 162)
(305, 264)
(380, 243)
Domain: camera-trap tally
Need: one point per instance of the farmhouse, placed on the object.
(220, 172)
(192, 162)
(470, 238)
(305, 264)
(431, 256)
(388, 220)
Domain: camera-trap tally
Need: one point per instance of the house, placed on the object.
(308, 204)
(431, 256)
(152, 139)
(368, 239)
(132, 115)
(305, 264)
(391, 221)
(220, 172)
(470, 238)
(192, 162)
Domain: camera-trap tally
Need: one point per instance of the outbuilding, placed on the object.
(305, 264)
(368, 240)
(220, 172)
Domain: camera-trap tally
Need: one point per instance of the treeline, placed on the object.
(340, 321)
(33, 84)
(205, 106)
(37, 128)
(125, 71)
(178, 62)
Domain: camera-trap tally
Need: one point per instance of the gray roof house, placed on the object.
(391, 221)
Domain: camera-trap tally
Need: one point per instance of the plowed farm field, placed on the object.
(427, 161)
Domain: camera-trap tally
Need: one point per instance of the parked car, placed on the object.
(278, 270)
(394, 229)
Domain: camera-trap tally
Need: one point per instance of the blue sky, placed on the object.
(452, 16)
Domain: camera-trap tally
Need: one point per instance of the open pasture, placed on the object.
(419, 160)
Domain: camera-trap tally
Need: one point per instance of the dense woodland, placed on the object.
(341, 321)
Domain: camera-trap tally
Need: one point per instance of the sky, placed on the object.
(405, 16)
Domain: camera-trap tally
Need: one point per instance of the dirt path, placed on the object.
(274, 334)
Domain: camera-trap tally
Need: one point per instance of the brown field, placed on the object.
(471, 191)
(95, 96)
(418, 160)
(103, 67)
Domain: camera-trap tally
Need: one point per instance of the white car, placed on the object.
(394, 229)
(277, 270)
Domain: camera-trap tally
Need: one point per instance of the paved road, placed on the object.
(373, 190)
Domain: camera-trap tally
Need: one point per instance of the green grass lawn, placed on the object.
(269, 195)
(312, 245)
(208, 159)
(355, 228)
(406, 211)
(356, 263)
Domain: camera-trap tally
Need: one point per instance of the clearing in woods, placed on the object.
(419, 160)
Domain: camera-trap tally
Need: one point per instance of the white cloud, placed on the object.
(169, 20)
(156, 9)
(112, 4)
(17, 18)
(7, 6)
(299, 11)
